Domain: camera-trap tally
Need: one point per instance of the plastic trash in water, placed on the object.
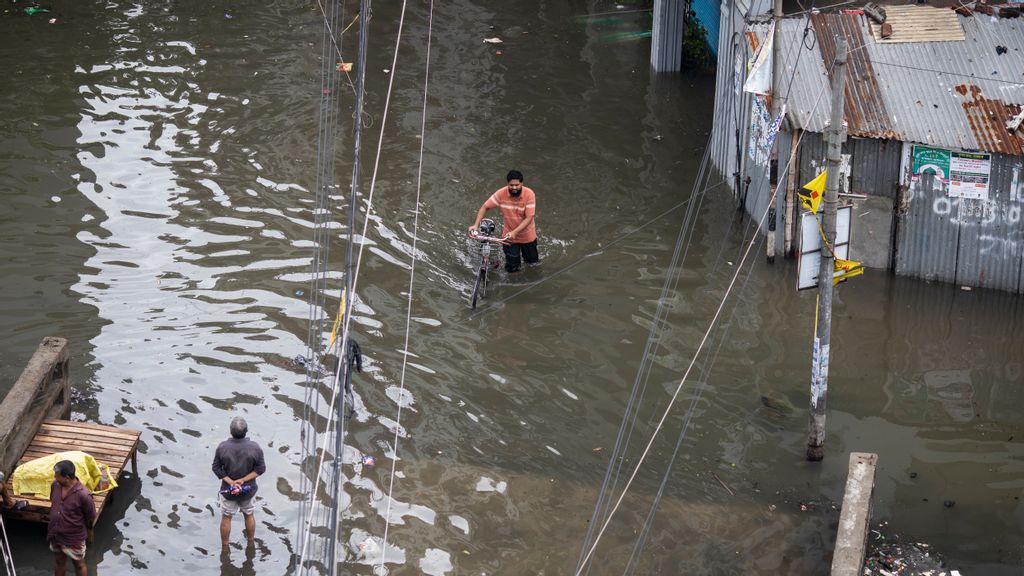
(30, 10)
(369, 461)
(494, 40)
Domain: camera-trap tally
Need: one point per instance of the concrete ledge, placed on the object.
(854, 520)
(42, 391)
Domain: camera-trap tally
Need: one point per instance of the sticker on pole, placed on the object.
(809, 261)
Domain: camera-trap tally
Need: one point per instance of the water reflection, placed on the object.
(180, 143)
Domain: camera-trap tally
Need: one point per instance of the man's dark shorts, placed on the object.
(516, 253)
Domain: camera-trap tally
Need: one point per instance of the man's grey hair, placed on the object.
(238, 427)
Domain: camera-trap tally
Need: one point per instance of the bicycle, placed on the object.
(484, 239)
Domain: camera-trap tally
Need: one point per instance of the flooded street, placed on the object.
(157, 167)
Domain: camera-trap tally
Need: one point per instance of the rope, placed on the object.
(412, 273)
(661, 422)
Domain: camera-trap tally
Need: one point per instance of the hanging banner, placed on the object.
(759, 72)
(773, 128)
(969, 175)
(760, 122)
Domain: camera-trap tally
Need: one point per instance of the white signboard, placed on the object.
(969, 175)
(810, 245)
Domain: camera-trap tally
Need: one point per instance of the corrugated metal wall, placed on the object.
(666, 36)
(991, 233)
(708, 13)
(927, 238)
(730, 113)
(874, 170)
(968, 242)
(756, 160)
(874, 164)
(732, 107)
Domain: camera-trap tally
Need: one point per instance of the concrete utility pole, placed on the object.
(775, 108)
(836, 135)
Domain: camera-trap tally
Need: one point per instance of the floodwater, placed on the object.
(158, 162)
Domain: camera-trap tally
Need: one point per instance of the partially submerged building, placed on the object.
(933, 165)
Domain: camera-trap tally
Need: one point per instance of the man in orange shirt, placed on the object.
(518, 205)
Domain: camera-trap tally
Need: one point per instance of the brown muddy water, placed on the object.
(157, 166)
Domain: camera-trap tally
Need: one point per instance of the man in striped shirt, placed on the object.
(518, 205)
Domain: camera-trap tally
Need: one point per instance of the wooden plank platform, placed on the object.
(109, 445)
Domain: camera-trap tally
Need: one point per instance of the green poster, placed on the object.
(929, 160)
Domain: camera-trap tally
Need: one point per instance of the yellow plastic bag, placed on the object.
(35, 476)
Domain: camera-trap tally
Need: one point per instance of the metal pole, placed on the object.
(343, 345)
(776, 105)
(836, 135)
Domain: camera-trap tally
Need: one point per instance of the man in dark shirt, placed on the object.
(72, 514)
(237, 462)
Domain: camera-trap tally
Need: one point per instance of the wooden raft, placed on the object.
(107, 444)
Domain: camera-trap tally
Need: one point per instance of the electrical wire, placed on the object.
(631, 412)
(660, 425)
(325, 152)
(412, 274)
(946, 72)
(6, 547)
(352, 278)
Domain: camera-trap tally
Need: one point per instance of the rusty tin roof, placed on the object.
(955, 94)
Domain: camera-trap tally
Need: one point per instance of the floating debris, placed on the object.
(903, 558)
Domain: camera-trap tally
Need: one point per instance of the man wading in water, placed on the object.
(518, 206)
(237, 462)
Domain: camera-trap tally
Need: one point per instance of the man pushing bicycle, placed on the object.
(518, 205)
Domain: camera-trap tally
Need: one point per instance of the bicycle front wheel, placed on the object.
(480, 286)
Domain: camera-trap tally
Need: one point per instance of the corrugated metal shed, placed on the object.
(731, 107)
(950, 94)
(966, 241)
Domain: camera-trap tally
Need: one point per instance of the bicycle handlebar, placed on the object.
(503, 240)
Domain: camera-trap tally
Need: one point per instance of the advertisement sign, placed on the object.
(969, 175)
(964, 174)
